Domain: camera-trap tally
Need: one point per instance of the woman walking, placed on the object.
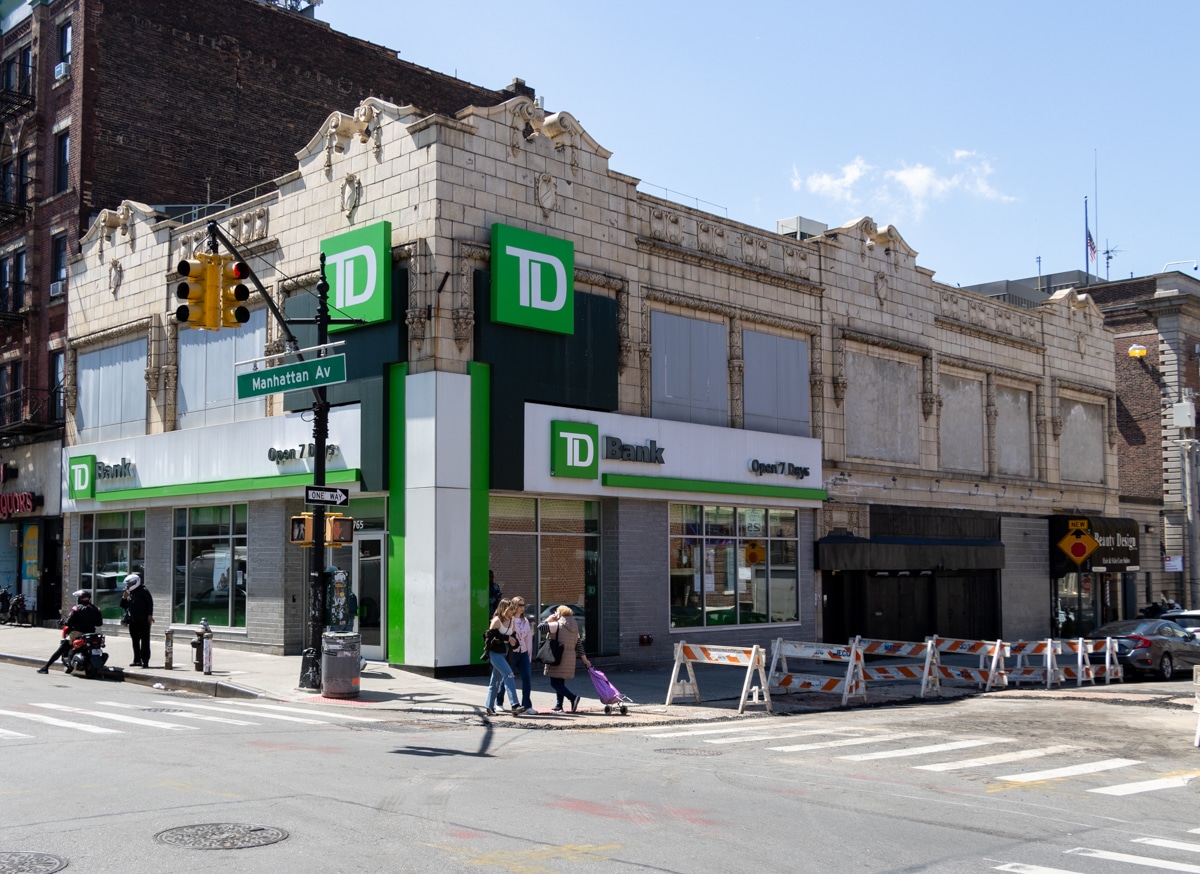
(522, 653)
(562, 626)
(499, 640)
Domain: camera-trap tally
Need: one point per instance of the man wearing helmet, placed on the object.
(84, 618)
(139, 607)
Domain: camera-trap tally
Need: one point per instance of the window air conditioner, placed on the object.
(62, 69)
(57, 288)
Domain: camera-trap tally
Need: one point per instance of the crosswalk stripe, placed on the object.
(117, 717)
(1148, 785)
(694, 732)
(1145, 861)
(6, 733)
(61, 723)
(998, 759)
(1169, 845)
(852, 742)
(221, 719)
(346, 717)
(761, 737)
(1019, 868)
(242, 712)
(932, 748)
(1071, 771)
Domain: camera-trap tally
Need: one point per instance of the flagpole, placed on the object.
(1087, 273)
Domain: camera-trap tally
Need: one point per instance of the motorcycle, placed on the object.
(87, 653)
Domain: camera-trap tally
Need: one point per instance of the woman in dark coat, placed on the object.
(562, 623)
(139, 606)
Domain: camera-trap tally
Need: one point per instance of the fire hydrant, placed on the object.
(202, 648)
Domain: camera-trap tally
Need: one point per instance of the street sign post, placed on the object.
(328, 496)
(328, 370)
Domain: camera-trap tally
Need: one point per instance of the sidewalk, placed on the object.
(402, 694)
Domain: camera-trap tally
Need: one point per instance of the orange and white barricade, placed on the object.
(899, 649)
(783, 679)
(753, 659)
(1084, 671)
(1047, 673)
(990, 673)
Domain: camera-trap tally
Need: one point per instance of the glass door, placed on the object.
(371, 591)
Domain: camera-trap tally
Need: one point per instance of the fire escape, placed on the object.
(16, 98)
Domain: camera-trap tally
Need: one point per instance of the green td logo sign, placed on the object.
(81, 474)
(533, 280)
(359, 269)
(574, 450)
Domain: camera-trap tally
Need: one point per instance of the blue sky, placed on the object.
(976, 129)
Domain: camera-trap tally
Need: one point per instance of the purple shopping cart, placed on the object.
(610, 696)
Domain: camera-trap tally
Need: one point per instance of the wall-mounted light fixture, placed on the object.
(937, 484)
(1137, 350)
(1149, 529)
(975, 490)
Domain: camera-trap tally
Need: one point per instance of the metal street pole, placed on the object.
(310, 664)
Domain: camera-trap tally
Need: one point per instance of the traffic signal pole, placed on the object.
(310, 665)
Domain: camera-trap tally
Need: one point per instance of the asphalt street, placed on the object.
(118, 777)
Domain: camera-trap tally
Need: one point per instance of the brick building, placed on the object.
(731, 434)
(161, 102)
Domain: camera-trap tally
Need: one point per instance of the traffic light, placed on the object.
(199, 287)
(338, 529)
(302, 530)
(234, 293)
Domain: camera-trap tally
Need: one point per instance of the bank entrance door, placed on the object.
(370, 588)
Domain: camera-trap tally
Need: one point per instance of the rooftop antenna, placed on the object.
(1109, 252)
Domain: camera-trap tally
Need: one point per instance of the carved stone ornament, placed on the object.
(115, 272)
(665, 226)
(351, 194)
(250, 226)
(545, 191)
(524, 112)
(712, 239)
(881, 287)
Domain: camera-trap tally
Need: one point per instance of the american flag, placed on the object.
(1091, 246)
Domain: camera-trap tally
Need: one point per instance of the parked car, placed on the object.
(1189, 619)
(1149, 645)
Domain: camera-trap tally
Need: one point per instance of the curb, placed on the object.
(210, 688)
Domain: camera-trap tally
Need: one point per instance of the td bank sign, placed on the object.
(533, 280)
(359, 270)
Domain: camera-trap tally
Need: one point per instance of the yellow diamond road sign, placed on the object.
(1079, 543)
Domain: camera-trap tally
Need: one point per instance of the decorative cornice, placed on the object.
(988, 334)
(983, 367)
(140, 326)
(301, 282)
(855, 336)
(730, 311)
(767, 277)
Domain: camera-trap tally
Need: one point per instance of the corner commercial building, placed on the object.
(157, 102)
(687, 427)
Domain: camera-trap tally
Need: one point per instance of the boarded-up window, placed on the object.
(1081, 446)
(882, 408)
(962, 423)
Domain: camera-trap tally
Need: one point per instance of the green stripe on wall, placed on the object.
(397, 432)
(249, 484)
(481, 430)
(669, 484)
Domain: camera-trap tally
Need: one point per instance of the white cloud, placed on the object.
(909, 189)
(839, 188)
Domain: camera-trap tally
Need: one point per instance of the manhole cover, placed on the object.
(221, 836)
(30, 863)
(688, 751)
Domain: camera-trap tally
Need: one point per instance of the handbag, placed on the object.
(551, 651)
(125, 617)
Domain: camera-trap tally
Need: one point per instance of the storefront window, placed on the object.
(210, 565)
(110, 546)
(732, 566)
(548, 552)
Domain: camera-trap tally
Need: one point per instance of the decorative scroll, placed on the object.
(737, 369)
(712, 239)
(666, 225)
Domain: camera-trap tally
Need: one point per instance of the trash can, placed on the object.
(340, 664)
